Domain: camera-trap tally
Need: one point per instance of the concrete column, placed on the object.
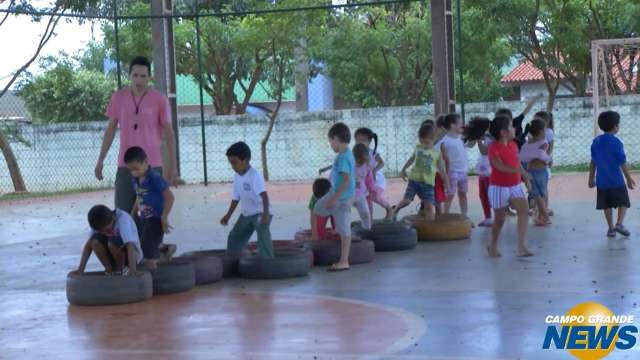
(442, 53)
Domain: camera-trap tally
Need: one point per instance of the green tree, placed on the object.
(378, 56)
(64, 93)
(51, 22)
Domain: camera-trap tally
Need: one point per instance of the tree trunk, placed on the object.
(551, 99)
(263, 146)
(12, 164)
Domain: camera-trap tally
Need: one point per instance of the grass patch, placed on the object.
(44, 194)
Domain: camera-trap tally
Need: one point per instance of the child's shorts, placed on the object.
(499, 196)
(440, 193)
(458, 181)
(341, 213)
(113, 240)
(151, 236)
(613, 198)
(424, 191)
(539, 183)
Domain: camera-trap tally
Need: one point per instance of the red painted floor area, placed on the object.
(205, 322)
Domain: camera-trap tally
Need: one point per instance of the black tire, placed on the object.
(287, 263)
(229, 263)
(173, 276)
(96, 288)
(389, 235)
(208, 269)
(327, 252)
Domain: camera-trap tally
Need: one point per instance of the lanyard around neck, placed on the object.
(137, 104)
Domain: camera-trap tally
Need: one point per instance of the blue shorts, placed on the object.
(424, 191)
(539, 182)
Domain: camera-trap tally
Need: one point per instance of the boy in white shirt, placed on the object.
(114, 239)
(457, 162)
(250, 192)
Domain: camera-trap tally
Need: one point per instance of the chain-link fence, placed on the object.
(367, 66)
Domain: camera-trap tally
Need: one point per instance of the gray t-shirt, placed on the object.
(126, 228)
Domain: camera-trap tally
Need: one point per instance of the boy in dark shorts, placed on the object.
(114, 239)
(608, 171)
(154, 201)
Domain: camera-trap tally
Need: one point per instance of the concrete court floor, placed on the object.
(439, 301)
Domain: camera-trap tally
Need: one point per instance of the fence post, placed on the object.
(199, 54)
(115, 28)
(460, 63)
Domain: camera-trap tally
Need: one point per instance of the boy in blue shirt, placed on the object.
(339, 200)
(608, 171)
(154, 201)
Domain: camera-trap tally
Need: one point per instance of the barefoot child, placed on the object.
(364, 181)
(114, 239)
(535, 158)
(505, 189)
(549, 135)
(457, 164)
(478, 130)
(426, 161)
(608, 171)
(376, 189)
(248, 191)
(339, 200)
(152, 207)
(321, 186)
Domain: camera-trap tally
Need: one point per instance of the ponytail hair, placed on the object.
(370, 135)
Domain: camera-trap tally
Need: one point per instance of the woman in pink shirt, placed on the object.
(143, 116)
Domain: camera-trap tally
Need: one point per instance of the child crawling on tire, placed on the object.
(114, 240)
(248, 191)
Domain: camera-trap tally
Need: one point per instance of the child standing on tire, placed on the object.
(505, 189)
(152, 207)
(426, 162)
(339, 200)
(376, 188)
(457, 164)
(320, 188)
(608, 171)
(114, 240)
(364, 181)
(248, 191)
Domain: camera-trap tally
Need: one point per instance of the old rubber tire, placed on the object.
(95, 288)
(173, 276)
(229, 263)
(286, 245)
(327, 252)
(444, 227)
(389, 235)
(208, 268)
(305, 235)
(287, 263)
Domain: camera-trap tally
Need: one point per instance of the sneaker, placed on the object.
(611, 233)
(622, 230)
(486, 223)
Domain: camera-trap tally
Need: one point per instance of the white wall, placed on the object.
(528, 91)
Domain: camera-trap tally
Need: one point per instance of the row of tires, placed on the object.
(292, 259)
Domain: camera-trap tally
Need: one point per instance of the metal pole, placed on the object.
(204, 143)
(595, 97)
(460, 63)
(115, 28)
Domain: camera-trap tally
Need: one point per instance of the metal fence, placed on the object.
(236, 53)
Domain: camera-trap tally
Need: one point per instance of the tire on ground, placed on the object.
(96, 288)
(305, 235)
(173, 276)
(444, 227)
(389, 235)
(229, 263)
(327, 252)
(287, 263)
(208, 268)
(279, 245)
